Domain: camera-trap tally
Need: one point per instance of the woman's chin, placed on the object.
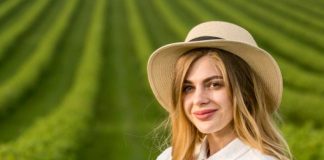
(207, 129)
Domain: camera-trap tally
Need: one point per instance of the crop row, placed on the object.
(26, 43)
(308, 8)
(173, 21)
(151, 22)
(305, 141)
(300, 107)
(7, 6)
(287, 47)
(284, 25)
(24, 22)
(141, 43)
(298, 78)
(301, 17)
(13, 88)
(57, 78)
(58, 135)
(122, 112)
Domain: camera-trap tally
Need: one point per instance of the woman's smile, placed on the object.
(204, 114)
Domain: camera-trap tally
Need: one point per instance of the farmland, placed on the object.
(73, 81)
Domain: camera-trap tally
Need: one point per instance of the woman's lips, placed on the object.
(204, 114)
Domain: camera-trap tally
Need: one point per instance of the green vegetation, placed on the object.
(12, 32)
(73, 73)
(58, 135)
(7, 6)
(30, 71)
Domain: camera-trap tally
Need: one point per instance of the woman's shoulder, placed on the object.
(165, 155)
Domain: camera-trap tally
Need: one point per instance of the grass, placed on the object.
(54, 83)
(173, 21)
(299, 17)
(283, 24)
(96, 58)
(288, 48)
(17, 27)
(113, 115)
(32, 68)
(306, 8)
(23, 46)
(67, 124)
(8, 7)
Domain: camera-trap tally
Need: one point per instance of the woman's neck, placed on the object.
(218, 140)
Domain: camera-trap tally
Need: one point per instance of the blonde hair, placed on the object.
(253, 109)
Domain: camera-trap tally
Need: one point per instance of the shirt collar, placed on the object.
(231, 151)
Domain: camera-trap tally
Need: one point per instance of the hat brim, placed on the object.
(162, 63)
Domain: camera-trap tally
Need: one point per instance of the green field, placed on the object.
(73, 72)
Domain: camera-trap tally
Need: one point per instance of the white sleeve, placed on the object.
(165, 155)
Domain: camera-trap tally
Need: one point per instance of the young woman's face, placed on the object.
(206, 100)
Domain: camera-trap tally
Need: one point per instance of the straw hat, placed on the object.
(213, 34)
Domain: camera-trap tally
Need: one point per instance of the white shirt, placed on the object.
(235, 150)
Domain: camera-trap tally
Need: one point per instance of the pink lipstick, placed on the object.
(204, 114)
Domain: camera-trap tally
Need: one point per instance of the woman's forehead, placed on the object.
(203, 68)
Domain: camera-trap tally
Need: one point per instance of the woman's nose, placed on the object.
(201, 97)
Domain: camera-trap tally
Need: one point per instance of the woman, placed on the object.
(222, 93)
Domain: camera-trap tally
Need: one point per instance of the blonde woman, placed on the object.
(222, 93)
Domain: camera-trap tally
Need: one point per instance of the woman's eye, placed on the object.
(215, 84)
(186, 89)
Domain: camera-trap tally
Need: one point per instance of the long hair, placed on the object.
(253, 109)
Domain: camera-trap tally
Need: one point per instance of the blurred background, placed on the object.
(73, 81)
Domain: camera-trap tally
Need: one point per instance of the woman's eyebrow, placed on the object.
(212, 77)
(207, 79)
